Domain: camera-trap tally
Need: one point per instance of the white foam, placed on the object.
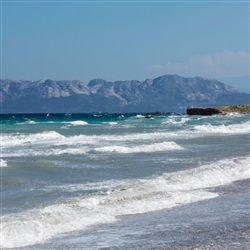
(138, 116)
(73, 151)
(84, 187)
(3, 163)
(242, 128)
(30, 122)
(27, 122)
(176, 120)
(31, 151)
(112, 123)
(155, 147)
(21, 139)
(78, 123)
(127, 197)
(214, 174)
(51, 142)
(52, 138)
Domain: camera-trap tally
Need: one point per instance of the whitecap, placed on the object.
(128, 197)
(21, 139)
(155, 147)
(176, 120)
(78, 123)
(242, 128)
(3, 163)
(72, 151)
(138, 116)
(112, 123)
(30, 122)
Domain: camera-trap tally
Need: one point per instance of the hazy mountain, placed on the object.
(165, 93)
(242, 82)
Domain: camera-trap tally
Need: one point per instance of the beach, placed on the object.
(117, 181)
(219, 223)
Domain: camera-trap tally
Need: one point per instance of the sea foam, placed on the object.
(77, 123)
(128, 197)
(155, 147)
(3, 163)
(176, 120)
(242, 128)
(21, 139)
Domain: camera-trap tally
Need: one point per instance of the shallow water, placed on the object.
(65, 175)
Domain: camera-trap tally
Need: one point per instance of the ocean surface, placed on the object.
(109, 181)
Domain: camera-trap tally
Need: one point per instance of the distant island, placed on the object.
(168, 93)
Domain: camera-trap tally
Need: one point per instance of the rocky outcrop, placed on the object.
(203, 111)
(242, 108)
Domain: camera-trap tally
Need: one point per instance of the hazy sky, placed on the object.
(123, 40)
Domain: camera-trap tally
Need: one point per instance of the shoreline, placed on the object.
(219, 110)
(218, 223)
(222, 223)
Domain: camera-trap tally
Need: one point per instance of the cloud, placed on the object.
(224, 64)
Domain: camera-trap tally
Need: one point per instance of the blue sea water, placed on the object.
(65, 176)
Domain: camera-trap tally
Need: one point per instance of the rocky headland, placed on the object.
(244, 108)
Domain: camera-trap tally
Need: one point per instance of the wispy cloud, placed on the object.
(224, 64)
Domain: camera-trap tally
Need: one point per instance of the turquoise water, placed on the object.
(66, 174)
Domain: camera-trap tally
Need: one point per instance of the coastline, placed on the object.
(219, 110)
(244, 108)
(217, 223)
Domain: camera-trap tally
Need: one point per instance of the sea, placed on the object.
(123, 181)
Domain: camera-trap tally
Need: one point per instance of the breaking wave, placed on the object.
(124, 198)
(3, 163)
(77, 123)
(224, 129)
(155, 147)
(22, 139)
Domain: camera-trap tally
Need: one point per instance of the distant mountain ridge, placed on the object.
(165, 93)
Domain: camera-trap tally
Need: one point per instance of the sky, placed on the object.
(125, 40)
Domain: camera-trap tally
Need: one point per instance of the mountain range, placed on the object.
(168, 93)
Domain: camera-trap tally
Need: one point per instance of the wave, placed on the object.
(26, 122)
(77, 123)
(126, 198)
(30, 122)
(177, 120)
(72, 151)
(155, 147)
(187, 132)
(84, 149)
(73, 123)
(242, 128)
(93, 186)
(21, 139)
(110, 123)
(54, 143)
(9, 140)
(3, 163)
(138, 116)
